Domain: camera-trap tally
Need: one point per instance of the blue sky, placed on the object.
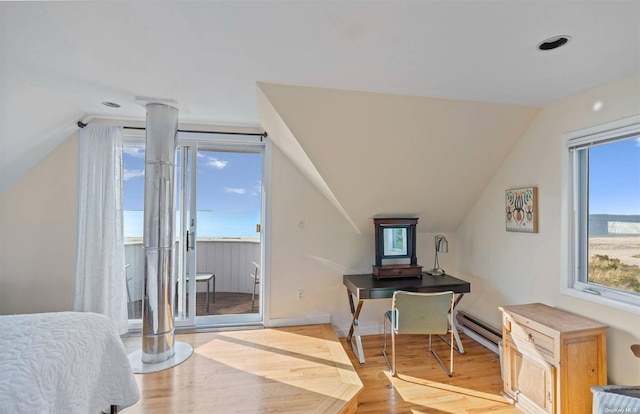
(614, 178)
(227, 181)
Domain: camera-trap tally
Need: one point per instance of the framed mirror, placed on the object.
(395, 243)
(395, 240)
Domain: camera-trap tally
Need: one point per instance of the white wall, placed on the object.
(312, 256)
(38, 236)
(316, 256)
(38, 219)
(387, 154)
(38, 246)
(512, 268)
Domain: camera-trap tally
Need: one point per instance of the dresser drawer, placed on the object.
(551, 359)
(527, 338)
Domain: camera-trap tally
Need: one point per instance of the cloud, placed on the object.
(216, 163)
(213, 162)
(637, 142)
(235, 190)
(129, 174)
(134, 151)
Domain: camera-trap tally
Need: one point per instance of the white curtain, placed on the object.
(100, 267)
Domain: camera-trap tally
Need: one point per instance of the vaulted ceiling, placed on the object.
(435, 88)
(387, 155)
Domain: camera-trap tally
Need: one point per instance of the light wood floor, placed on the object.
(421, 385)
(301, 369)
(307, 369)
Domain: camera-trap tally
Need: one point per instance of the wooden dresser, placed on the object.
(551, 358)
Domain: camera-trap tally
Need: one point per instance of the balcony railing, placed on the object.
(230, 259)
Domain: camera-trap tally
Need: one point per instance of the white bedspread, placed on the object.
(67, 362)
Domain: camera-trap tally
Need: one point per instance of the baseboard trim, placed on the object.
(303, 320)
(479, 339)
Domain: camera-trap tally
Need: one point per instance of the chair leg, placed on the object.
(253, 297)
(449, 372)
(451, 354)
(393, 352)
(384, 347)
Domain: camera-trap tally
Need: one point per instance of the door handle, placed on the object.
(187, 245)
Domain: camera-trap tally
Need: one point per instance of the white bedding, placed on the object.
(67, 362)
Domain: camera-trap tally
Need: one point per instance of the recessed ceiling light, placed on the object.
(111, 104)
(554, 42)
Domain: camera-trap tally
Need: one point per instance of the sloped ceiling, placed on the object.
(60, 60)
(391, 155)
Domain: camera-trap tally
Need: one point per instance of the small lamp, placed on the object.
(442, 246)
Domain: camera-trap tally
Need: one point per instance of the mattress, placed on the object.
(66, 362)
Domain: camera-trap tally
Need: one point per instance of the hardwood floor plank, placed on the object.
(306, 369)
(421, 385)
(290, 370)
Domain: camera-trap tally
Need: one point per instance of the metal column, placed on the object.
(159, 240)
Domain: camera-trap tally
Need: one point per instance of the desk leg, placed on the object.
(353, 338)
(454, 328)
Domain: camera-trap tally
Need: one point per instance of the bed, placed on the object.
(66, 362)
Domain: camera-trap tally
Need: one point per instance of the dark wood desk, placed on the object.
(365, 286)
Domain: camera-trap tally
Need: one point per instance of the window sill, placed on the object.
(602, 300)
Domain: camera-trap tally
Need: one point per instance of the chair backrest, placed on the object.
(256, 271)
(422, 313)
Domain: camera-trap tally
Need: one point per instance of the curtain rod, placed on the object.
(260, 134)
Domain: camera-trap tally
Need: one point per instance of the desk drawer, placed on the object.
(527, 338)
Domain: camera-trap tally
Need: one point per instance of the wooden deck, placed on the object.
(301, 369)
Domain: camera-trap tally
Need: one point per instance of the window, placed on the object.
(602, 194)
(133, 223)
(219, 195)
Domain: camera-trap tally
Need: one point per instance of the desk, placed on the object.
(365, 286)
(206, 277)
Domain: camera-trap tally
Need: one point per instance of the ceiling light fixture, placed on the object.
(554, 42)
(111, 104)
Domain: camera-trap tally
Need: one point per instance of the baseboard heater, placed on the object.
(479, 331)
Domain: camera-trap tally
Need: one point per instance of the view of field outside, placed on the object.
(615, 262)
(614, 215)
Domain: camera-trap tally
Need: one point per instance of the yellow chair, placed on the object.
(419, 313)
(256, 281)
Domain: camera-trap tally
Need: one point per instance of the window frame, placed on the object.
(235, 142)
(575, 213)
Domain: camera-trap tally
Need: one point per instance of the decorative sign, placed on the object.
(521, 205)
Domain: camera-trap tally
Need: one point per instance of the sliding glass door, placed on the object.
(228, 196)
(219, 243)
(185, 235)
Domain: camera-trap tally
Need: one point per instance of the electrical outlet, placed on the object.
(300, 294)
